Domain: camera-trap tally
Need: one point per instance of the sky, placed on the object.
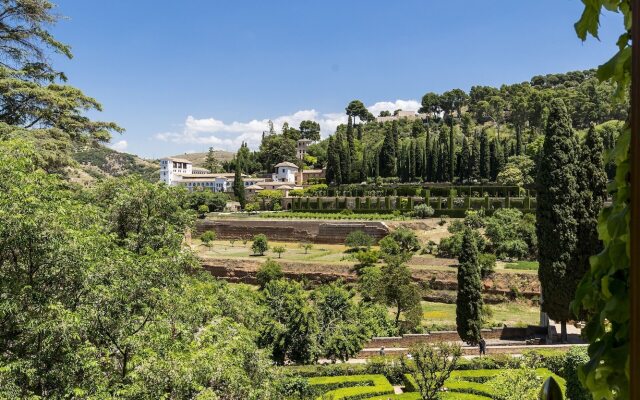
(181, 76)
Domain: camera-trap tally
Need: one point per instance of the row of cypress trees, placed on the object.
(432, 159)
(572, 188)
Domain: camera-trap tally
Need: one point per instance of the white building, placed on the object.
(170, 167)
(285, 172)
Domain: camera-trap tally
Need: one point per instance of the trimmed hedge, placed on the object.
(354, 387)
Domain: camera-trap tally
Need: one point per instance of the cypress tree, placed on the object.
(334, 174)
(556, 226)
(387, 157)
(238, 188)
(443, 157)
(364, 166)
(592, 189)
(360, 131)
(352, 150)
(427, 175)
(469, 300)
(474, 164)
(484, 156)
(345, 160)
(465, 161)
(413, 149)
(518, 141)
(452, 152)
(396, 137)
(495, 159)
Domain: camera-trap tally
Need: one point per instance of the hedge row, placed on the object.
(421, 190)
(354, 387)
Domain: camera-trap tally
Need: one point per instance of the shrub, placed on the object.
(423, 211)
(487, 264)
(346, 211)
(575, 358)
(357, 239)
(366, 259)
(203, 209)
(269, 271)
(260, 244)
(406, 239)
(352, 387)
(207, 237)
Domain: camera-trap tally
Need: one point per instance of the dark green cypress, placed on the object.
(592, 189)
(388, 167)
(495, 159)
(556, 226)
(518, 141)
(352, 150)
(428, 162)
(360, 131)
(364, 166)
(443, 157)
(465, 161)
(413, 149)
(396, 137)
(469, 300)
(452, 152)
(485, 163)
(238, 188)
(474, 164)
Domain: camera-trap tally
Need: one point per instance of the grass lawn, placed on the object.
(523, 265)
(441, 316)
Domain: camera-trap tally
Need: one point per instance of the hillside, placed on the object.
(99, 161)
(198, 158)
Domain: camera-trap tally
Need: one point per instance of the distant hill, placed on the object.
(198, 158)
(98, 161)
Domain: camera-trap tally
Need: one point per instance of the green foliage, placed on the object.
(469, 299)
(512, 234)
(431, 367)
(423, 211)
(518, 384)
(556, 224)
(354, 387)
(358, 239)
(270, 198)
(289, 326)
(214, 201)
(576, 358)
(397, 289)
(487, 263)
(269, 271)
(278, 250)
(260, 244)
(207, 237)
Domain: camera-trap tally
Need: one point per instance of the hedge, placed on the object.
(376, 385)
(443, 396)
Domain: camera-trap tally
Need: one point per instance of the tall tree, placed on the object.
(495, 160)
(238, 188)
(465, 161)
(388, 160)
(485, 159)
(556, 226)
(469, 300)
(334, 171)
(452, 152)
(352, 150)
(310, 130)
(474, 164)
(211, 162)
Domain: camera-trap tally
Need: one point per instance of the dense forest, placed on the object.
(487, 135)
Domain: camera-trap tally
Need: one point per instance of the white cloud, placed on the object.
(405, 105)
(229, 136)
(120, 145)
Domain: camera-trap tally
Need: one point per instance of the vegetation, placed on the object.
(260, 244)
(358, 239)
(469, 300)
(208, 237)
(431, 367)
(269, 271)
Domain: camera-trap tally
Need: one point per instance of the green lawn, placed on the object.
(440, 316)
(523, 265)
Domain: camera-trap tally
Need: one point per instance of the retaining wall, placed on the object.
(333, 232)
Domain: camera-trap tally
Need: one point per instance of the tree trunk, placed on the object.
(563, 332)
(398, 315)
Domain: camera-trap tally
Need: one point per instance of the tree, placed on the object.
(275, 149)
(357, 239)
(238, 188)
(203, 209)
(495, 160)
(357, 109)
(388, 158)
(556, 227)
(469, 300)
(430, 104)
(279, 250)
(207, 237)
(260, 244)
(310, 130)
(485, 158)
(306, 247)
(269, 271)
(406, 239)
(334, 171)
(398, 290)
(290, 326)
(432, 366)
(465, 161)
(341, 334)
(452, 152)
(210, 162)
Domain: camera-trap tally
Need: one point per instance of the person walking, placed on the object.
(483, 346)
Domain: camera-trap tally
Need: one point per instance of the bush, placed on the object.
(406, 239)
(487, 264)
(423, 211)
(260, 244)
(354, 387)
(203, 209)
(357, 239)
(269, 271)
(207, 237)
(575, 358)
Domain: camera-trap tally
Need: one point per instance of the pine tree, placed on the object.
(592, 189)
(556, 226)
(485, 161)
(388, 167)
(469, 300)
(238, 188)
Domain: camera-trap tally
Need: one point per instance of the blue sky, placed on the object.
(181, 76)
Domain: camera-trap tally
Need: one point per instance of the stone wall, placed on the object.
(284, 230)
(408, 340)
(472, 351)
